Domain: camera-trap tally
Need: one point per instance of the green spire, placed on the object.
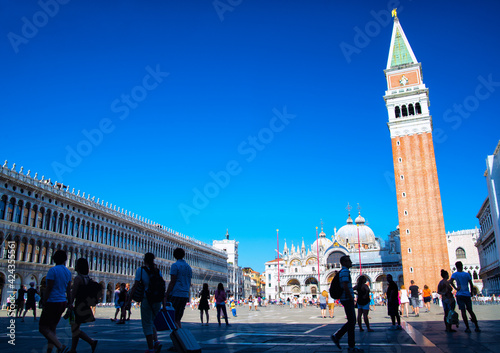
(400, 54)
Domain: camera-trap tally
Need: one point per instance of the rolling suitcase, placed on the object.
(165, 320)
(184, 341)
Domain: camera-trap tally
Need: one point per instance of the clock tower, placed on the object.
(421, 225)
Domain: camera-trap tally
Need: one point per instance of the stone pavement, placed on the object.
(274, 329)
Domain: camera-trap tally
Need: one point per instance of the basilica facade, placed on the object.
(305, 271)
(38, 217)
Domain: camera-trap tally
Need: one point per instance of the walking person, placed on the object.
(403, 295)
(393, 303)
(31, 300)
(149, 306)
(414, 298)
(323, 301)
(363, 302)
(82, 306)
(463, 295)
(220, 302)
(446, 291)
(128, 303)
(250, 303)
(427, 295)
(204, 306)
(56, 297)
(118, 306)
(180, 282)
(122, 298)
(20, 302)
(347, 300)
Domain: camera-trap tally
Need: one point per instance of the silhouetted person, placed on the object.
(393, 303)
(463, 294)
(446, 292)
(180, 282)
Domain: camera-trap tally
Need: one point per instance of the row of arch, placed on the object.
(407, 110)
(38, 216)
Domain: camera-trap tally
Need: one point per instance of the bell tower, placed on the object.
(423, 239)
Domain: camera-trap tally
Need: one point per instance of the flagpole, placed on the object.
(317, 249)
(278, 241)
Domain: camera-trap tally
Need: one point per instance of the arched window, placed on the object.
(404, 110)
(417, 108)
(411, 111)
(460, 253)
(475, 276)
(3, 204)
(397, 111)
(10, 210)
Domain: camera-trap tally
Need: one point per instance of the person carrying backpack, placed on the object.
(347, 300)
(446, 291)
(83, 300)
(149, 278)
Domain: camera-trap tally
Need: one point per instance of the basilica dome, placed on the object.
(324, 242)
(349, 232)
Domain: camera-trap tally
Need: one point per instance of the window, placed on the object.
(460, 253)
(411, 111)
(409, 250)
(397, 143)
(400, 159)
(406, 213)
(402, 177)
(407, 231)
(417, 108)
(411, 269)
(404, 194)
(397, 112)
(404, 110)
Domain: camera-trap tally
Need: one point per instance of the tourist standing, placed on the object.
(414, 298)
(20, 301)
(347, 300)
(180, 282)
(331, 305)
(118, 306)
(220, 302)
(446, 291)
(393, 303)
(426, 294)
(363, 302)
(56, 297)
(122, 298)
(82, 307)
(463, 294)
(30, 300)
(403, 295)
(204, 306)
(323, 301)
(149, 308)
(128, 303)
(233, 306)
(250, 303)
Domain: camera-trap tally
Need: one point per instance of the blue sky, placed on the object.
(272, 111)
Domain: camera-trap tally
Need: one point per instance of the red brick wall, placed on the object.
(427, 238)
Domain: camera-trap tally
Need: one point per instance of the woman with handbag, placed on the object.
(204, 306)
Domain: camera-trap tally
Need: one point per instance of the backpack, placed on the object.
(92, 292)
(335, 289)
(452, 318)
(156, 289)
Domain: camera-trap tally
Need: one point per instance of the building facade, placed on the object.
(487, 243)
(420, 213)
(235, 274)
(298, 274)
(462, 247)
(38, 217)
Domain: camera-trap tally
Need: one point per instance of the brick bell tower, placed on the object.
(423, 239)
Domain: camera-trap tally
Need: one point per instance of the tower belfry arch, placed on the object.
(423, 239)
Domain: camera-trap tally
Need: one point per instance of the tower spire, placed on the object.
(400, 52)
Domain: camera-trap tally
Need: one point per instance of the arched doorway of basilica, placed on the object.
(333, 260)
(380, 285)
(311, 287)
(293, 287)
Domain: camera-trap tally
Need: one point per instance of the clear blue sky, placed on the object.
(76, 68)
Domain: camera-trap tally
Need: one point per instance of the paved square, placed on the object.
(274, 329)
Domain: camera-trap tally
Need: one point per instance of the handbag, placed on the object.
(139, 290)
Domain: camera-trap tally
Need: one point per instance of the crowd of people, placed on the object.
(78, 298)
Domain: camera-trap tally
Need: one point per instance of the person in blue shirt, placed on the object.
(180, 282)
(463, 294)
(347, 300)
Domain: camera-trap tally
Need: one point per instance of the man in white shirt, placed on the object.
(463, 294)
